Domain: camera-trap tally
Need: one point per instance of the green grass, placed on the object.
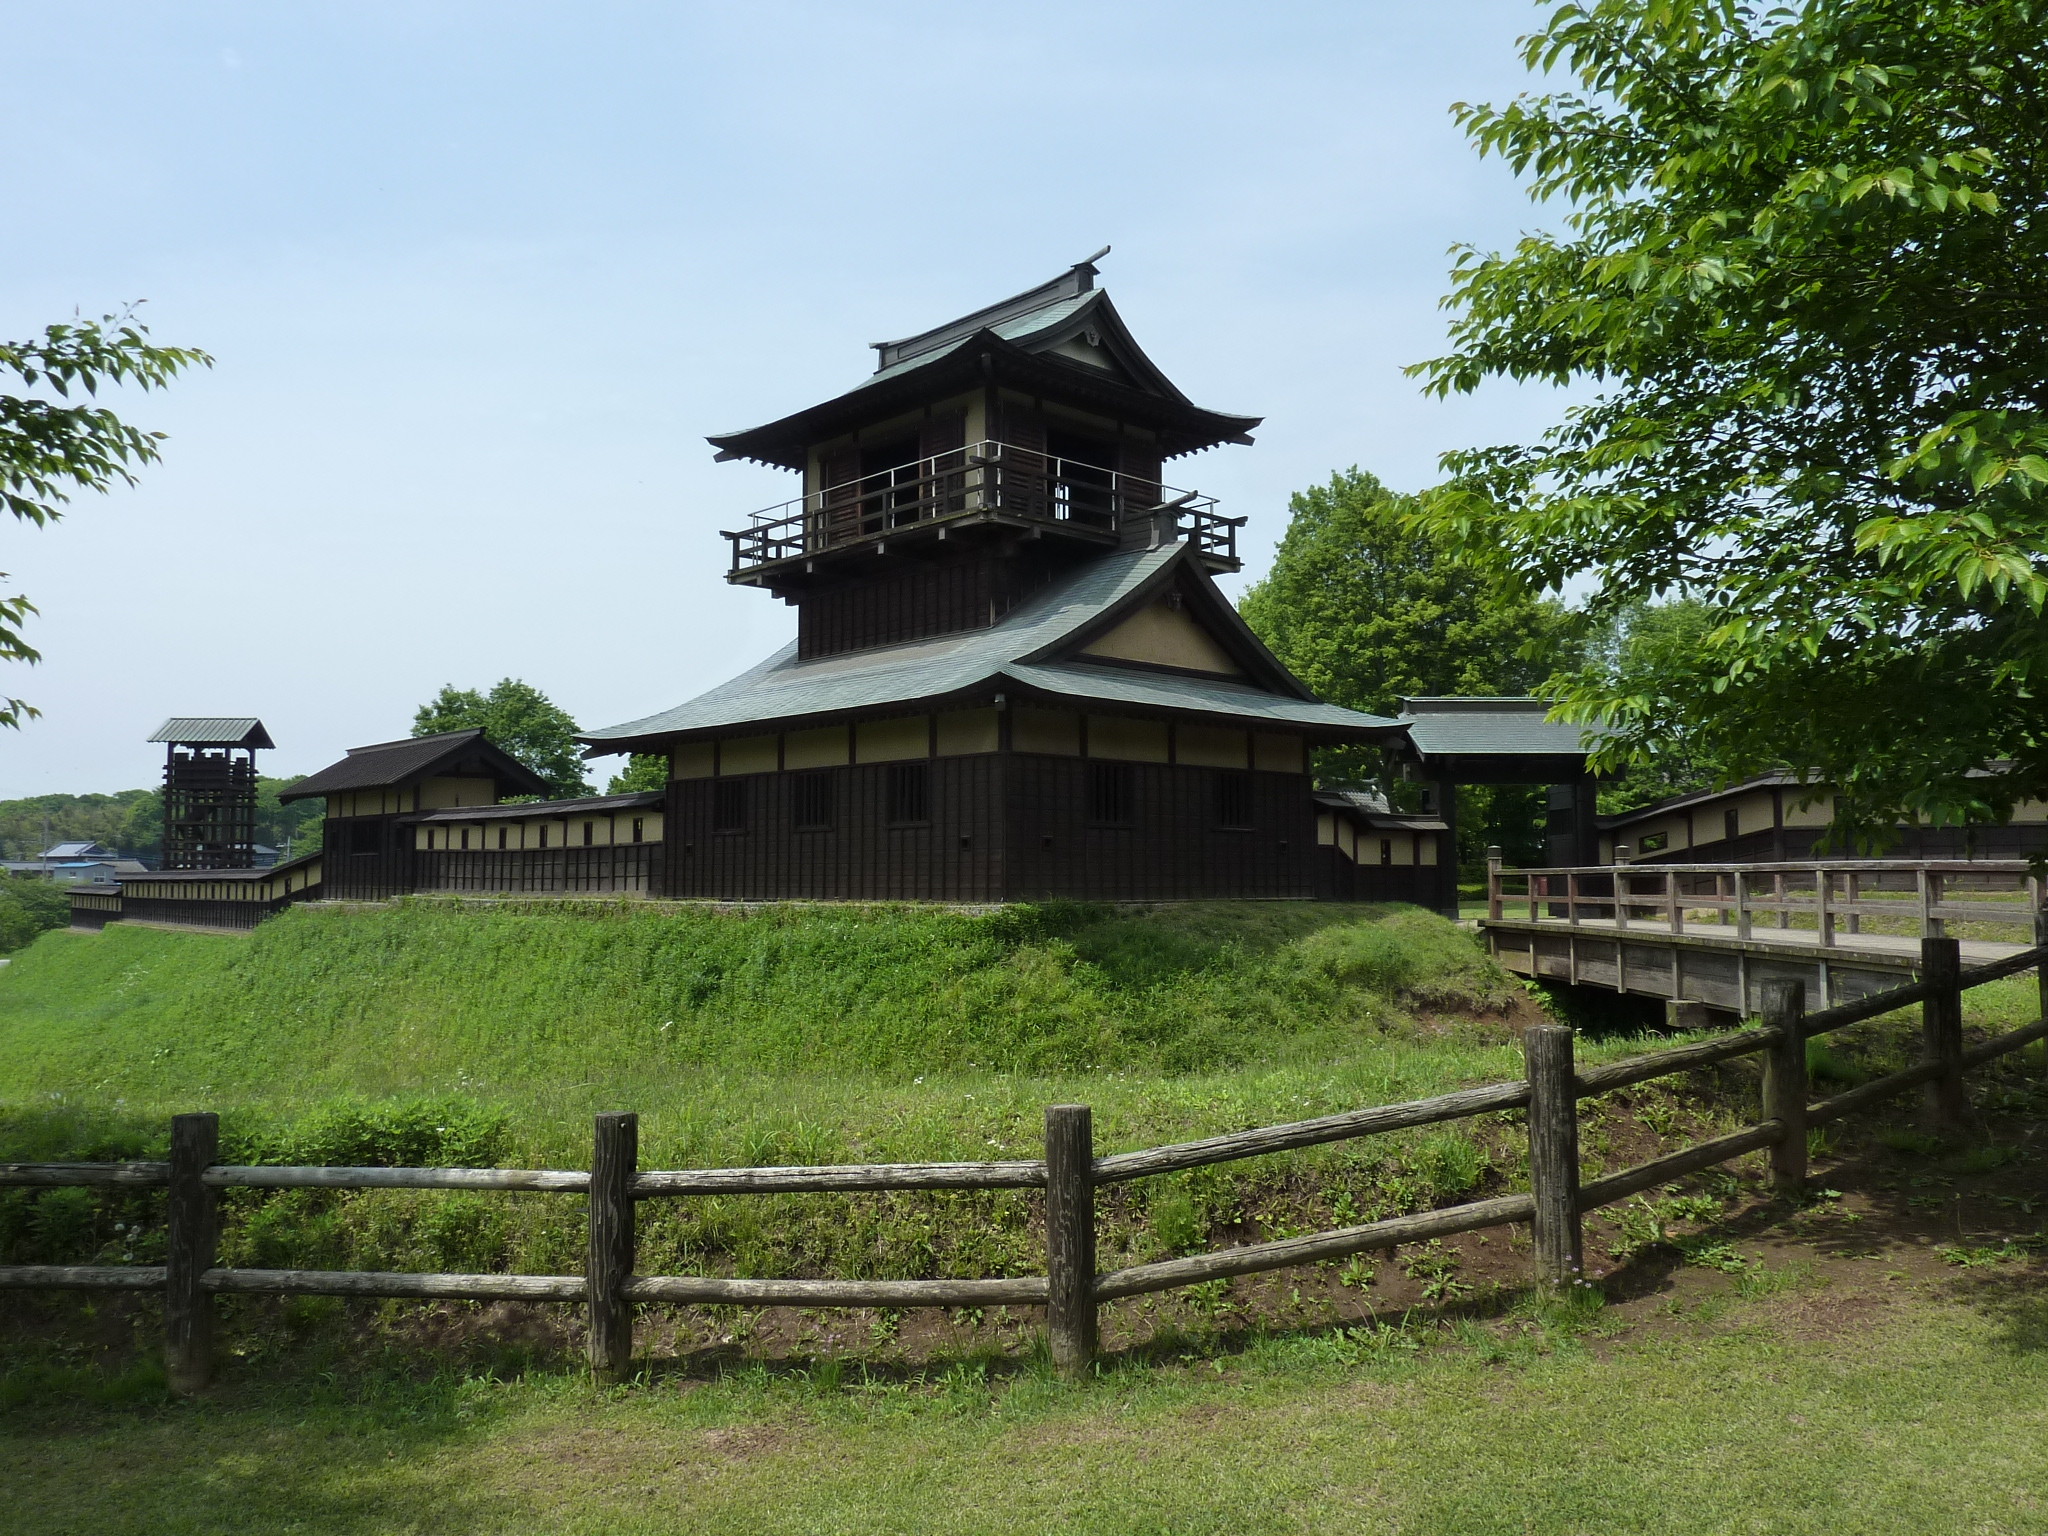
(1731, 1421)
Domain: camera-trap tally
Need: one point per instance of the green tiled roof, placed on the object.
(1490, 727)
(784, 688)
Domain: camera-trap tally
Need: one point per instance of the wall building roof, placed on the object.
(389, 763)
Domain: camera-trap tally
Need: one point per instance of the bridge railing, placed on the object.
(1914, 897)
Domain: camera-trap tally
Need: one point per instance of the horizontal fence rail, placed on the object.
(1071, 1290)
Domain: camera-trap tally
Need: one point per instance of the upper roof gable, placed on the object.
(389, 764)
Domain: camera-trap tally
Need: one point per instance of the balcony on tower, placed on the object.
(982, 459)
(989, 486)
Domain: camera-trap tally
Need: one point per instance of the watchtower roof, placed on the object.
(213, 731)
(1023, 341)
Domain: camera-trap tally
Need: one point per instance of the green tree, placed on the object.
(518, 717)
(1801, 269)
(50, 448)
(1647, 652)
(1368, 608)
(29, 906)
(643, 771)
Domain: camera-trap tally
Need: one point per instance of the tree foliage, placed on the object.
(519, 718)
(1635, 652)
(643, 771)
(53, 447)
(1367, 608)
(30, 905)
(1802, 267)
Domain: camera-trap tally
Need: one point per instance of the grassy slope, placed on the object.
(723, 1028)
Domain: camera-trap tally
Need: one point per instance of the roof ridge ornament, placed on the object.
(1076, 281)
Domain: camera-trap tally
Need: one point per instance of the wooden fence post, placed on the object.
(1554, 1154)
(1070, 1236)
(614, 1160)
(1941, 1028)
(1493, 893)
(2041, 976)
(1785, 1083)
(194, 1240)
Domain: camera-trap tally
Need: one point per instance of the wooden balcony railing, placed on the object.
(982, 478)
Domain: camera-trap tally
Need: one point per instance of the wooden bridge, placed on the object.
(1714, 934)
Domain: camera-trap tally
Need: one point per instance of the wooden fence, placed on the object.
(1070, 1290)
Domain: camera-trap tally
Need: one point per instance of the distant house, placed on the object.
(70, 863)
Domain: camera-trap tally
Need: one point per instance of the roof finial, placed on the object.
(1086, 269)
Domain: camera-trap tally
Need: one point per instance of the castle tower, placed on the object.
(1014, 676)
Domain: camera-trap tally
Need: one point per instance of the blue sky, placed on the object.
(481, 277)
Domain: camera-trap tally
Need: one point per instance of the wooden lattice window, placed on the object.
(910, 793)
(1111, 793)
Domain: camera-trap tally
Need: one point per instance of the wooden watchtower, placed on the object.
(210, 790)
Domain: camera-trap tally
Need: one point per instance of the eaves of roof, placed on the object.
(1147, 399)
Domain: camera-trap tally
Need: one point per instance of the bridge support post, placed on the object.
(1554, 1155)
(1946, 1108)
(1785, 1083)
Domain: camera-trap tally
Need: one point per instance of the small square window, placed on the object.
(543, 837)
(501, 837)
(729, 805)
(810, 801)
(1386, 850)
(465, 838)
(1732, 824)
(1110, 793)
(639, 830)
(1234, 800)
(589, 833)
(910, 792)
(1655, 842)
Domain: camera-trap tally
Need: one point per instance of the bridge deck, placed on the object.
(1712, 966)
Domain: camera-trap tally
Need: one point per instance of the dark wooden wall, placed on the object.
(951, 594)
(200, 914)
(350, 876)
(1338, 879)
(1003, 827)
(529, 871)
(955, 855)
(1171, 848)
